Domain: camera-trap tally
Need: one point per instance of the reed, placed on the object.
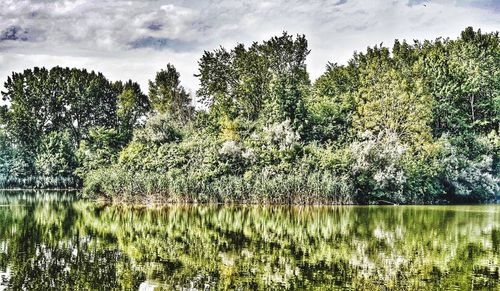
(40, 182)
(299, 188)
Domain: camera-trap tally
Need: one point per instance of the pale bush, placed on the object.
(159, 129)
(231, 148)
(377, 158)
(281, 135)
(469, 178)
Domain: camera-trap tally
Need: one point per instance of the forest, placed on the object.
(415, 123)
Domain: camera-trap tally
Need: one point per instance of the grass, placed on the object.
(39, 182)
(300, 188)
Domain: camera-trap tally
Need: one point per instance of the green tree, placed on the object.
(234, 83)
(6, 154)
(168, 96)
(267, 80)
(133, 106)
(56, 156)
(387, 99)
(462, 76)
(41, 101)
(100, 149)
(331, 104)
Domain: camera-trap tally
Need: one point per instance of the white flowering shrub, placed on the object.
(231, 148)
(281, 135)
(250, 156)
(477, 179)
(159, 129)
(377, 165)
(474, 179)
(230, 159)
(490, 142)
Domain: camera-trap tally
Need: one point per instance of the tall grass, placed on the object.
(299, 188)
(39, 182)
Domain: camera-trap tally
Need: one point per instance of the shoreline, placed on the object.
(148, 201)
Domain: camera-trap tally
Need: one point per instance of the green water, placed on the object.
(54, 241)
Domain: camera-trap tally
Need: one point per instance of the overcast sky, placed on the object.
(134, 39)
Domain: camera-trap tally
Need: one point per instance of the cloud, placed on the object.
(14, 33)
(134, 38)
(155, 26)
(17, 33)
(161, 43)
(485, 4)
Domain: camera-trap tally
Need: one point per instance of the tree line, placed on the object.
(412, 123)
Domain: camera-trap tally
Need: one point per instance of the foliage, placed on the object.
(377, 166)
(168, 96)
(412, 123)
(51, 113)
(55, 156)
(159, 129)
(470, 179)
(132, 105)
(331, 104)
(266, 80)
(99, 150)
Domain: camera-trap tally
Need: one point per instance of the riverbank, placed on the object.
(160, 199)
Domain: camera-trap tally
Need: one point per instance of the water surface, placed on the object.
(54, 241)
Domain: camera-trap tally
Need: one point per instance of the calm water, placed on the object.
(54, 241)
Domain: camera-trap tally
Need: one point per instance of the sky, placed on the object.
(134, 39)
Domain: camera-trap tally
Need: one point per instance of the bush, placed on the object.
(377, 167)
(159, 129)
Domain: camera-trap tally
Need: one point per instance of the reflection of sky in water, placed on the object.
(4, 279)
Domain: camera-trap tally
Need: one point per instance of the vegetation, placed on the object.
(415, 123)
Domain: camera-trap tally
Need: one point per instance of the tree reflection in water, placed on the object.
(52, 240)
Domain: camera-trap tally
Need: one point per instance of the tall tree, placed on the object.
(462, 76)
(234, 83)
(41, 101)
(244, 82)
(290, 81)
(131, 108)
(168, 96)
(331, 104)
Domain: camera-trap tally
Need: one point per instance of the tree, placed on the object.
(462, 77)
(42, 101)
(90, 100)
(56, 156)
(388, 99)
(377, 167)
(267, 77)
(331, 104)
(234, 83)
(100, 149)
(6, 154)
(168, 96)
(133, 106)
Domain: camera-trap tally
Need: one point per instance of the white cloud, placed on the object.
(134, 39)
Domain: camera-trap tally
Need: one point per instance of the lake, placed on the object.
(52, 240)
